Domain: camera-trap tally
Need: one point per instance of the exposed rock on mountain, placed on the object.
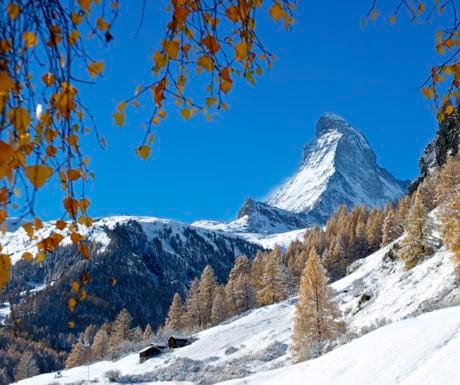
(337, 167)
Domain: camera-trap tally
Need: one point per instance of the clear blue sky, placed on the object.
(205, 170)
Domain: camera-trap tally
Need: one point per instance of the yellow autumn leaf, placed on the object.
(5, 266)
(48, 79)
(421, 7)
(392, 19)
(241, 51)
(13, 11)
(101, 24)
(27, 256)
(210, 101)
(40, 257)
(72, 303)
(85, 4)
(38, 175)
(276, 12)
(427, 92)
(73, 37)
(171, 48)
(143, 151)
(6, 83)
(19, 118)
(186, 113)
(119, 118)
(205, 62)
(75, 286)
(71, 324)
(96, 68)
(151, 139)
(449, 109)
(30, 39)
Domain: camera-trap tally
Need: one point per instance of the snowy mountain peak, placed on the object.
(337, 167)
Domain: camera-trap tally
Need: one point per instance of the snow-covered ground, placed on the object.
(419, 351)
(422, 350)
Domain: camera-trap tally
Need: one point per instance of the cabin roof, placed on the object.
(179, 337)
(153, 346)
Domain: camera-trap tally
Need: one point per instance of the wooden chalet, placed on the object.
(175, 342)
(151, 351)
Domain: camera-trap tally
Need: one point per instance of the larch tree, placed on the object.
(317, 320)
(418, 239)
(100, 345)
(219, 306)
(120, 330)
(207, 287)
(79, 355)
(257, 270)
(391, 229)
(374, 230)
(448, 198)
(147, 333)
(193, 307)
(240, 293)
(27, 367)
(176, 312)
(274, 284)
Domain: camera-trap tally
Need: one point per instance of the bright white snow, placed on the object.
(424, 350)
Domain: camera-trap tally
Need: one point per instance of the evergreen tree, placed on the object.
(27, 367)
(147, 333)
(317, 321)
(418, 240)
(175, 314)
(79, 355)
(207, 287)
(218, 312)
(120, 330)
(192, 307)
(100, 344)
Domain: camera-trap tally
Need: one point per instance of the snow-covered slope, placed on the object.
(338, 167)
(378, 292)
(419, 351)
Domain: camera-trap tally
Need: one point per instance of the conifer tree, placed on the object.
(27, 367)
(374, 230)
(120, 330)
(317, 321)
(218, 311)
(240, 292)
(79, 355)
(418, 241)
(448, 196)
(360, 245)
(137, 334)
(274, 285)
(257, 271)
(176, 312)
(100, 345)
(192, 307)
(391, 228)
(207, 287)
(147, 333)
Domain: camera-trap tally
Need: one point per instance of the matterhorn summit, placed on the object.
(337, 167)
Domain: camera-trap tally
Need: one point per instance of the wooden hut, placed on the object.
(151, 351)
(175, 342)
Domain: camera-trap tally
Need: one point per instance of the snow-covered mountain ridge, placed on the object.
(337, 167)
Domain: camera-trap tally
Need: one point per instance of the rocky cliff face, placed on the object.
(446, 142)
(337, 167)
